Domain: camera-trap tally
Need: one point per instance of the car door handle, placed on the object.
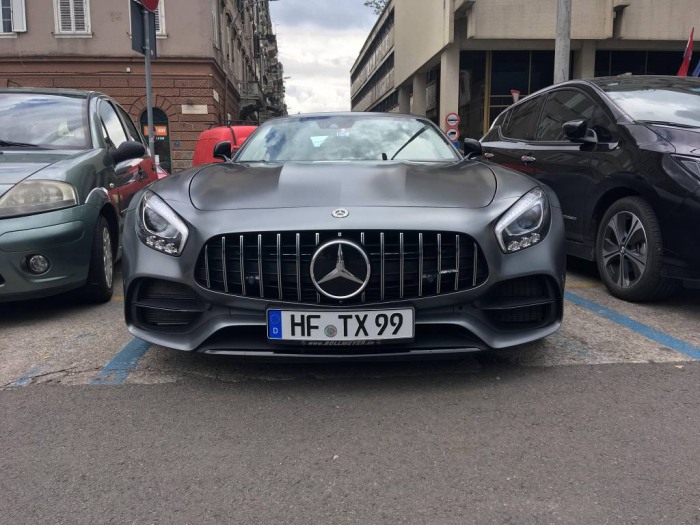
(528, 158)
(488, 155)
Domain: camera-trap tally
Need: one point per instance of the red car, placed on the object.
(204, 151)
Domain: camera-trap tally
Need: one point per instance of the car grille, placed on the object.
(405, 265)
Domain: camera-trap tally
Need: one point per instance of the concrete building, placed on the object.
(431, 57)
(217, 61)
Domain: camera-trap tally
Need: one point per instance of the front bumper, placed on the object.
(64, 237)
(191, 318)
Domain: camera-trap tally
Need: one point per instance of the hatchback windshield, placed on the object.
(43, 120)
(667, 102)
(347, 137)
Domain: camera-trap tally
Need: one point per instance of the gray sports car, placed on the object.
(344, 235)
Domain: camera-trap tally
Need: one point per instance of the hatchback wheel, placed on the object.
(629, 252)
(100, 283)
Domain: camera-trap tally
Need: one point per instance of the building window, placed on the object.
(12, 16)
(72, 17)
(160, 19)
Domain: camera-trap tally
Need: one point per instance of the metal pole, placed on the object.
(562, 44)
(149, 104)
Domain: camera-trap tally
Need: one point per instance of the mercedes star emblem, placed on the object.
(340, 213)
(340, 269)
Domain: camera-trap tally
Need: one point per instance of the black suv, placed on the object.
(623, 156)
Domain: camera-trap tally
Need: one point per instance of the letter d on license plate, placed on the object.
(353, 325)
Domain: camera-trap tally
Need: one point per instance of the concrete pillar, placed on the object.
(404, 99)
(584, 60)
(419, 101)
(449, 83)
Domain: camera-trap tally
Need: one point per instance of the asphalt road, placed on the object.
(596, 424)
(494, 443)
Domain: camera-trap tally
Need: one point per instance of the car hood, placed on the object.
(685, 141)
(464, 184)
(15, 166)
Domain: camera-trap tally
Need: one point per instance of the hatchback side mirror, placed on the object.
(128, 150)
(472, 148)
(222, 150)
(578, 131)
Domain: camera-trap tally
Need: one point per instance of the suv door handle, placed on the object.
(488, 155)
(528, 158)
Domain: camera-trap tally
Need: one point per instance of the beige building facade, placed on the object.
(216, 61)
(471, 57)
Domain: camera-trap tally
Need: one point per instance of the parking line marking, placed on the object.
(26, 378)
(647, 331)
(117, 370)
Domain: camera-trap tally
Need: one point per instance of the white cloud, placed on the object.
(318, 57)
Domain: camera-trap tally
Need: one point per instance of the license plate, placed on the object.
(340, 326)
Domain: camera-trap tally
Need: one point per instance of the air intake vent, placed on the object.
(162, 304)
(525, 302)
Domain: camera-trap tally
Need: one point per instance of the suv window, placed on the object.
(569, 104)
(112, 125)
(523, 119)
(562, 106)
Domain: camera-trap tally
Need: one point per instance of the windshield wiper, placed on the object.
(666, 123)
(413, 137)
(10, 144)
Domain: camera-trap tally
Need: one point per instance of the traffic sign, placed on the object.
(452, 120)
(452, 134)
(151, 5)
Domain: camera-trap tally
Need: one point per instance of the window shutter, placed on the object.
(157, 17)
(65, 16)
(19, 17)
(79, 17)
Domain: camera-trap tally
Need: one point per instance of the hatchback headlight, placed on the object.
(159, 227)
(36, 196)
(526, 223)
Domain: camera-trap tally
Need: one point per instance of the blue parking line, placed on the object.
(117, 370)
(26, 378)
(647, 331)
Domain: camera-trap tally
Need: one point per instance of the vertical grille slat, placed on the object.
(401, 267)
(223, 263)
(381, 274)
(241, 262)
(206, 266)
(420, 265)
(456, 262)
(439, 261)
(298, 263)
(405, 265)
(260, 267)
(279, 266)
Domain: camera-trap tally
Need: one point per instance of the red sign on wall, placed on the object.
(151, 5)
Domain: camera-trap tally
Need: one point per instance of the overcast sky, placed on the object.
(318, 43)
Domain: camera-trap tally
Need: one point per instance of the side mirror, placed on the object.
(472, 148)
(222, 150)
(128, 150)
(578, 131)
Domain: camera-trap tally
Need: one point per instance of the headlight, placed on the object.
(36, 196)
(526, 223)
(689, 176)
(692, 164)
(159, 227)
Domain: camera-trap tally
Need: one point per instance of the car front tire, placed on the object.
(100, 284)
(629, 252)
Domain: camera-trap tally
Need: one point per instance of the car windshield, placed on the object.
(347, 138)
(43, 120)
(674, 103)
